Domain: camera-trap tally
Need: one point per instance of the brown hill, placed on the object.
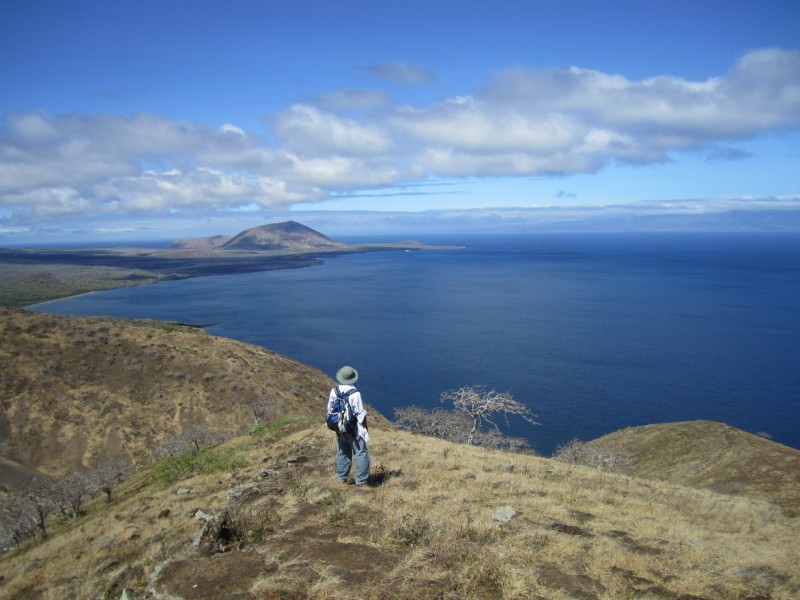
(714, 456)
(281, 236)
(74, 390)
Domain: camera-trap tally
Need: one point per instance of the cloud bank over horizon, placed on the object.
(523, 122)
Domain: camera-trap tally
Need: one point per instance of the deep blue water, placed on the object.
(594, 331)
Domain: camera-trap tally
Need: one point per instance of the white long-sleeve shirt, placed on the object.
(358, 408)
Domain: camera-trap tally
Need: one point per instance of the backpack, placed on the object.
(341, 417)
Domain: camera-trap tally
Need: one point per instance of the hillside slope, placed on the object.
(439, 521)
(714, 456)
(269, 521)
(74, 390)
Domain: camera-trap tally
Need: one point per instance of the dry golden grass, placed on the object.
(714, 456)
(426, 529)
(77, 389)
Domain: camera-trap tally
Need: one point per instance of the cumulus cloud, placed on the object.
(522, 122)
(310, 131)
(575, 120)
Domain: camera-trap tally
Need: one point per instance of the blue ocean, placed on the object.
(595, 332)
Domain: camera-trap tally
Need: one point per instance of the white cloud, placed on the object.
(228, 128)
(310, 131)
(571, 120)
(523, 122)
(341, 173)
(762, 91)
(469, 125)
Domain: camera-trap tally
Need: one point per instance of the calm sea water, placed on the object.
(594, 332)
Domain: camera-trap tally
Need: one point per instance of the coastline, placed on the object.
(33, 276)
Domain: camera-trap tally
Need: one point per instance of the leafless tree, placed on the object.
(481, 406)
(17, 520)
(72, 489)
(453, 426)
(262, 408)
(193, 439)
(601, 457)
(197, 436)
(107, 474)
(42, 493)
(169, 446)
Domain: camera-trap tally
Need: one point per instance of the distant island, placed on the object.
(32, 275)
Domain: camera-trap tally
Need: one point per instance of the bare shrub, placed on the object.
(481, 406)
(438, 422)
(193, 438)
(72, 489)
(455, 427)
(495, 439)
(169, 446)
(197, 436)
(605, 458)
(263, 408)
(17, 520)
(43, 495)
(107, 474)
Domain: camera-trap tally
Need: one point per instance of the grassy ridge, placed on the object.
(714, 456)
(441, 521)
(76, 389)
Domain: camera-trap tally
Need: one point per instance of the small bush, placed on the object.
(258, 430)
(337, 511)
(412, 531)
(278, 426)
(205, 460)
(251, 524)
(604, 458)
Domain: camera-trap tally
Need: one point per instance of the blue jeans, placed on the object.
(349, 445)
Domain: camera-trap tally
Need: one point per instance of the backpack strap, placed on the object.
(344, 395)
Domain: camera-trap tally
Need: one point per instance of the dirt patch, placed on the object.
(318, 549)
(229, 575)
(354, 563)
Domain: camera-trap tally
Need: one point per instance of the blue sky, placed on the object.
(157, 120)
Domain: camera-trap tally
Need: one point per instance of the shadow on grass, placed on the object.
(382, 475)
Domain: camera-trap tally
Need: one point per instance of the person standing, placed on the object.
(350, 445)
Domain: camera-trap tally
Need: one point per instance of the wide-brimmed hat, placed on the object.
(347, 375)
